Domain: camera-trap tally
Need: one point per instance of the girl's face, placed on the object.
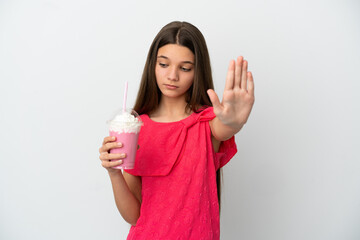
(174, 70)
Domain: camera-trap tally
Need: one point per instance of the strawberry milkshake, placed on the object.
(125, 126)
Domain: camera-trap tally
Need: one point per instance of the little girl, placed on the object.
(188, 135)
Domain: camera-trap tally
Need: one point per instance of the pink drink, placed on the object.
(125, 126)
(129, 146)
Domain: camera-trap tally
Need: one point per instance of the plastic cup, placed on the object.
(125, 126)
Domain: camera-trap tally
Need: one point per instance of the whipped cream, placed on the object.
(125, 123)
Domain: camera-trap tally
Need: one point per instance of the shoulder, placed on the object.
(205, 113)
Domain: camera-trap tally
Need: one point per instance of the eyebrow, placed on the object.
(165, 57)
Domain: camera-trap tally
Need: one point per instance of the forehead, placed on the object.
(175, 52)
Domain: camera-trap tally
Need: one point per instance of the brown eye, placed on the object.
(186, 69)
(163, 65)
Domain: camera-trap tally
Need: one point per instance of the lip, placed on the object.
(169, 86)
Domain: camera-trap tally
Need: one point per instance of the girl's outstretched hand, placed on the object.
(238, 98)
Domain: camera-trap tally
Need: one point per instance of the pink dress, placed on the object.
(177, 165)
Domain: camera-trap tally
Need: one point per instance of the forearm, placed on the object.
(127, 204)
(223, 132)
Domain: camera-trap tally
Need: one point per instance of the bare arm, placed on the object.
(126, 187)
(127, 194)
(238, 99)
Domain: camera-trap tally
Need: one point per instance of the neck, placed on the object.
(171, 109)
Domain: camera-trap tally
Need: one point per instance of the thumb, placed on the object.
(214, 99)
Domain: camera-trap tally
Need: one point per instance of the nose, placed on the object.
(173, 74)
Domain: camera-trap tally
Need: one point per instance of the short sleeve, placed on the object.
(226, 152)
(206, 114)
(227, 148)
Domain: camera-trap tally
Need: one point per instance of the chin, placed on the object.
(172, 94)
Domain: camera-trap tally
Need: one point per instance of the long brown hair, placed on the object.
(149, 95)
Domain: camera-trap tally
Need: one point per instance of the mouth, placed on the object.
(169, 86)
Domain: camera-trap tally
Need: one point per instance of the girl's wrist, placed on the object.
(235, 126)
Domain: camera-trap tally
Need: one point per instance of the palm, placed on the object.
(238, 97)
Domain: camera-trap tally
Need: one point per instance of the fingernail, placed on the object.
(119, 144)
(123, 155)
(120, 161)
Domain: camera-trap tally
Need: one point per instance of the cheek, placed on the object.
(159, 72)
(190, 79)
(156, 72)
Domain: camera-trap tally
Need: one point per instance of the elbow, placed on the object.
(221, 138)
(132, 220)
(224, 136)
(130, 213)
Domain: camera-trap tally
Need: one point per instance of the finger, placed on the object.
(251, 86)
(244, 75)
(109, 139)
(116, 156)
(110, 145)
(214, 99)
(229, 84)
(107, 164)
(238, 70)
(105, 156)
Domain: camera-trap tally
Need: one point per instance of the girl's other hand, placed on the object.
(238, 98)
(110, 160)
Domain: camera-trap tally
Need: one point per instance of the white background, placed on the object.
(63, 65)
